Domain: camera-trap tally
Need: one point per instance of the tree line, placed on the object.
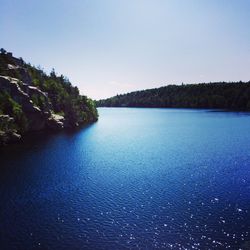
(217, 95)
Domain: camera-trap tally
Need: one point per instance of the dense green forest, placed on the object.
(218, 95)
(31, 99)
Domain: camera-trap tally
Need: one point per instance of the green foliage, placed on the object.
(12, 108)
(64, 97)
(221, 95)
(39, 101)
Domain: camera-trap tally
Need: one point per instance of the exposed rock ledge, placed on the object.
(37, 119)
(56, 121)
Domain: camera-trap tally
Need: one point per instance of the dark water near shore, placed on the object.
(138, 178)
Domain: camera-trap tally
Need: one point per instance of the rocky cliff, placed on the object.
(31, 100)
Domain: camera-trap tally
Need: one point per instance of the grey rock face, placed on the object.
(56, 122)
(23, 75)
(22, 92)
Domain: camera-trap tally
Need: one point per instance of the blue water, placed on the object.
(136, 179)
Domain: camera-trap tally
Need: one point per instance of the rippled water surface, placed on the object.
(138, 178)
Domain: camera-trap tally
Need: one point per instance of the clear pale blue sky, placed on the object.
(107, 47)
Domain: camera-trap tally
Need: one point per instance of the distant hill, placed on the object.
(31, 100)
(217, 95)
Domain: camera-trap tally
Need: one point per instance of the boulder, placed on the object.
(55, 122)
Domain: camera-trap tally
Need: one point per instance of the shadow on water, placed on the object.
(35, 141)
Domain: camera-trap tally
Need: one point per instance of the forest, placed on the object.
(216, 95)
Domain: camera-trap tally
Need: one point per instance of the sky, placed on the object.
(109, 47)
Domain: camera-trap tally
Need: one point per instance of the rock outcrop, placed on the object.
(15, 88)
(31, 100)
(56, 122)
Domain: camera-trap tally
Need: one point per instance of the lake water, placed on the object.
(138, 178)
